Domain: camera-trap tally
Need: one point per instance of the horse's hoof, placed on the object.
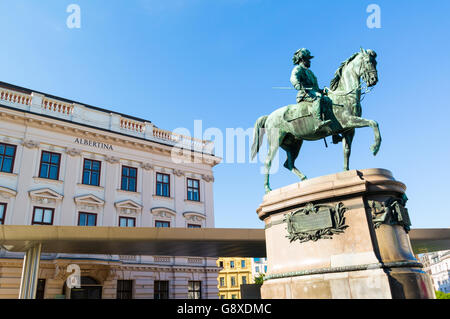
(375, 149)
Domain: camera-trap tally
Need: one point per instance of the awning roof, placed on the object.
(206, 242)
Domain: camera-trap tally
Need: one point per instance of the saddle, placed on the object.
(295, 111)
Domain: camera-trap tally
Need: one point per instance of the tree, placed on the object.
(442, 295)
(259, 279)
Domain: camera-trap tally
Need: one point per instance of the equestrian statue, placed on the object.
(319, 113)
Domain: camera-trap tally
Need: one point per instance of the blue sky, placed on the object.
(174, 62)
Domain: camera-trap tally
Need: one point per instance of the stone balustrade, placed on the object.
(182, 140)
(162, 259)
(57, 106)
(132, 125)
(15, 97)
(39, 103)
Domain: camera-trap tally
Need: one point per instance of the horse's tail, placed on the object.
(258, 134)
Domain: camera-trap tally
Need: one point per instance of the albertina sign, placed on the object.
(102, 145)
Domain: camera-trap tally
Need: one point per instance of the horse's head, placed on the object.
(368, 67)
(362, 64)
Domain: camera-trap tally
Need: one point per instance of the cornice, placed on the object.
(100, 134)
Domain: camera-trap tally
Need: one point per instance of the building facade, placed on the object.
(235, 271)
(259, 267)
(66, 164)
(437, 265)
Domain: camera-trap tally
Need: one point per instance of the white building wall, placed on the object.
(437, 264)
(32, 134)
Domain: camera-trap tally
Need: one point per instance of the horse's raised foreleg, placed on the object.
(347, 146)
(292, 151)
(355, 122)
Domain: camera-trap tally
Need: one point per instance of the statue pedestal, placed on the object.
(341, 236)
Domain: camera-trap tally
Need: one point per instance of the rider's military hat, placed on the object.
(303, 54)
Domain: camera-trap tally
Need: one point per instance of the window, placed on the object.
(40, 289)
(221, 264)
(232, 264)
(257, 269)
(2, 213)
(127, 221)
(124, 289)
(193, 189)
(129, 178)
(233, 297)
(244, 280)
(161, 289)
(42, 216)
(91, 172)
(7, 155)
(194, 226)
(194, 290)
(162, 185)
(233, 281)
(265, 268)
(162, 224)
(222, 281)
(243, 263)
(87, 219)
(49, 165)
(222, 296)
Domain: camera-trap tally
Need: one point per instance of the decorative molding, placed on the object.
(31, 144)
(89, 200)
(194, 217)
(128, 207)
(314, 222)
(112, 159)
(76, 127)
(164, 198)
(390, 212)
(178, 172)
(45, 196)
(147, 166)
(330, 270)
(163, 212)
(208, 178)
(7, 193)
(73, 151)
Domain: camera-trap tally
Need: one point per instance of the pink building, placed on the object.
(67, 163)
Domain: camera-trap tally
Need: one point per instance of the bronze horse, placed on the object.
(344, 112)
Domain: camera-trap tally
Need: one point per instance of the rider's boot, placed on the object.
(317, 114)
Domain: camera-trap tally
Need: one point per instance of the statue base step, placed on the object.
(343, 235)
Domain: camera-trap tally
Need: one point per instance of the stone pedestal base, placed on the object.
(341, 236)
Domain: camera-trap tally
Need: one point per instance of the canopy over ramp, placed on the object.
(203, 242)
(206, 242)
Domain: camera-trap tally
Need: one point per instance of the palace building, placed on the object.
(65, 163)
(234, 272)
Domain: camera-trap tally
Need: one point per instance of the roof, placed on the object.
(29, 91)
(203, 242)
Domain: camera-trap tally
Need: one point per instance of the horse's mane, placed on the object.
(338, 74)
